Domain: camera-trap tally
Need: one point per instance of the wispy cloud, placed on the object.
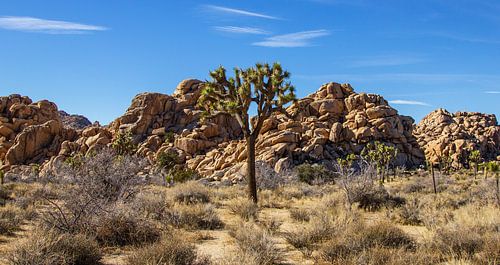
(242, 30)
(292, 40)
(407, 77)
(492, 92)
(32, 24)
(461, 38)
(235, 11)
(408, 102)
(388, 60)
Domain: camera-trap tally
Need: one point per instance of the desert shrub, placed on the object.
(414, 187)
(152, 204)
(462, 243)
(122, 229)
(123, 143)
(10, 219)
(49, 247)
(102, 181)
(320, 228)
(312, 173)
(191, 192)
(490, 253)
(256, 244)
(172, 250)
(296, 191)
(409, 213)
(4, 195)
(267, 178)
(270, 199)
(244, 208)
(271, 224)
(359, 238)
(300, 214)
(196, 216)
(183, 174)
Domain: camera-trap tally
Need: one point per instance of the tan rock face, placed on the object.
(30, 132)
(442, 134)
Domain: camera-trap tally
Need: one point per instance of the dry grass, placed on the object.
(191, 192)
(49, 247)
(256, 245)
(197, 216)
(244, 208)
(11, 218)
(174, 249)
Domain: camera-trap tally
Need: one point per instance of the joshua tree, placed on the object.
(475, 158)
(123, 143)
(381, 155)
(263, 86)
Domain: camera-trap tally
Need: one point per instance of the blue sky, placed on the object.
(91, 57)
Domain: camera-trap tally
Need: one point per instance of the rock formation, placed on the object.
(445, 135)
(29, 132)
(76, 122)
(328, 124)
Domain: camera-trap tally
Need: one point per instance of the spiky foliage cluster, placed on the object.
(475, 157)
(264, 85)
(381, 155)
(123, 143)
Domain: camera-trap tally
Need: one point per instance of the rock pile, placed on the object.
(328, 124)
(29, 132)
(76, 122)
(444, 135)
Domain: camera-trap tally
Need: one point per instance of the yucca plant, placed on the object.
(263, 86)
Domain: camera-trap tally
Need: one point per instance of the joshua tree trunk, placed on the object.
(433, 179)
(252, 183)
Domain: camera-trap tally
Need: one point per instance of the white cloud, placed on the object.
(238, 12)
(408, 102)
(492, 92)
(388, 60)
(32, 24)
(297, 39)
(242, 30)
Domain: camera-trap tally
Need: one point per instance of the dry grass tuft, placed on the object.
(49, 247)
(172, 250)
(11, 218)
(244, 208)
(191, 192)
(256, 245)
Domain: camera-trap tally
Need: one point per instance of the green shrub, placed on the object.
(310, 173)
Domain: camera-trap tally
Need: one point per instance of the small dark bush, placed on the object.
(310, 173)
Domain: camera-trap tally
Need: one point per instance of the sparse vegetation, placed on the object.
(104, 207)
(49, 247)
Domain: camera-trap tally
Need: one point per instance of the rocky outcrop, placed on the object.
(445, 135)
(328, 124)
(76, 122)
(29, 132)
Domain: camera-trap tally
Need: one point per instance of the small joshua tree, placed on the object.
(264, 86)
(381, 155)
(475, 159)
(123, 143)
